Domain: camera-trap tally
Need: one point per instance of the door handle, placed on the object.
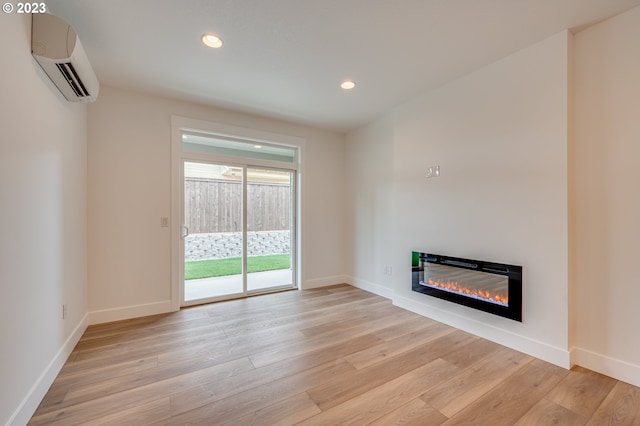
(185, 232)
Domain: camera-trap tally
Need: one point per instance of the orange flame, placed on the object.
(454, 287)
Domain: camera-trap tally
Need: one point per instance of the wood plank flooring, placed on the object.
(329, 356)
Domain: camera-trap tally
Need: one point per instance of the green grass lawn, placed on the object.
(233, 265)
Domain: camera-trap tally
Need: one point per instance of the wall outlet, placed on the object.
(64, 311)
(386, 269)
(164, 222)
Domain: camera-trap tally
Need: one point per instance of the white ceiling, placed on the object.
(285, 58)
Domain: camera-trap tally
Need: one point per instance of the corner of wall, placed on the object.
(371, 287)
(323, 282)
(30, 403)
(607, 365)
(571, 188)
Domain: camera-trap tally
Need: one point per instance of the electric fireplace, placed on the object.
(491, 287)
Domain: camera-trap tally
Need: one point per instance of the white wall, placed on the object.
(129, 190)
(500, 137)
(605, 220)
(42, 225)
(541, 146)
(370, 175)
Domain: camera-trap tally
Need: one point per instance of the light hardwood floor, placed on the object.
(329, 356)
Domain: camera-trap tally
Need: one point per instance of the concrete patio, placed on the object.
(205, 288)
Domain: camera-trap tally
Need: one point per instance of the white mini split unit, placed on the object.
(56, 47)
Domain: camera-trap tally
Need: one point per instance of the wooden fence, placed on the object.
(213, 206)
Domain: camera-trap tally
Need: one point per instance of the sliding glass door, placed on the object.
(238, 230)
(213, 231)
(269, 228)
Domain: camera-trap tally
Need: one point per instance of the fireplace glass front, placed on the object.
(487, 286)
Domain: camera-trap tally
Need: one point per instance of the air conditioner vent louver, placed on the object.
(70, 74)
(56, 47)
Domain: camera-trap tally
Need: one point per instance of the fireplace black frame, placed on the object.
(513, 272)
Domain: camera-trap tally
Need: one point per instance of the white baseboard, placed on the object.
(34, 397)
(612, 367)
(541, 350)
(371, 287)
(535, 348)
(323, 282)
(128, 312)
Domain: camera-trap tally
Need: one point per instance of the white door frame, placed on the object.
(182, 124)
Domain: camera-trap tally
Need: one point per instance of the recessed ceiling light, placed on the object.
(212, 40)
(347, 85)
(257, 146)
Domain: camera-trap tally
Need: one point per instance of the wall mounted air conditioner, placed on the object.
(56, 47)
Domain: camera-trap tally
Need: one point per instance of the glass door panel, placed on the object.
(270, 229)
(213, 231)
